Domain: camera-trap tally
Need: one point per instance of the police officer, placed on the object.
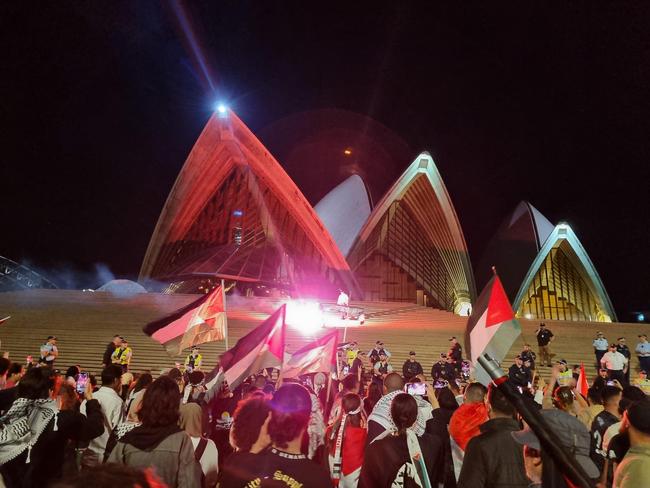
(643, 352)
(193, 360)
(600, 347)
(621, 347)
(517, 375)
(411, 367)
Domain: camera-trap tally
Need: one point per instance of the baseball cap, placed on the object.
(561, 361)
(599, 333)
(573, 435)
(638, 414)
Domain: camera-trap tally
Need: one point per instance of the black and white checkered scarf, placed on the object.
(23, 424)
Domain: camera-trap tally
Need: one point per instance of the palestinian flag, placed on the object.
(583, 384)
(203, 320)
(263, 347)
(492, 328)
(319, 355)
(2, 321)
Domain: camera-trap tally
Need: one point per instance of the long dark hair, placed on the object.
(349, 403)
(404, 410)
(144, 380)
(36, 384)
(373, 395)
(160, 403)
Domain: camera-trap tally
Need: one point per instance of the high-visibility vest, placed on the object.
(564, 378)
(193, 362)
(122, 355)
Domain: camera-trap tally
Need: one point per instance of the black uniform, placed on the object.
(411, 369)
(518, 377)
(529, 356)
(625, 351)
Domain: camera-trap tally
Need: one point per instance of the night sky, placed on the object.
(100, 103)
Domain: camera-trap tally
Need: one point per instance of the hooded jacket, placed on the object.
(168, 449)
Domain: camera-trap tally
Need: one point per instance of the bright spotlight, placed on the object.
(221, 109)
(305, 316)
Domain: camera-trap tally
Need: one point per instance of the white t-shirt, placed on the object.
(209, 461)
(614, 361)
(113, 409)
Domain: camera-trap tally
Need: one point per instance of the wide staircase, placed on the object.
(84, 322)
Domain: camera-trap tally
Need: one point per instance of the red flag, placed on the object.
(492, 327)
(2, 321)
(317, 356)
(263, 347)
(203, 320)
(583, 384)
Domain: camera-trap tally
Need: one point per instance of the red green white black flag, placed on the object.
(203, 320)
(492, 328)
(262, 347)
(317, 356)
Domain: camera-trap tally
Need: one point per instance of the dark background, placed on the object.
(100, 103)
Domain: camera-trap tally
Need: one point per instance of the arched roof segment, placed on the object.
(514, 247)
(564, 238)
(231, 185)
(419, 196)
(344, 211)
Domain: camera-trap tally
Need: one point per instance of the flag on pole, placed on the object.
(317, 356)
(203, 320)
(263, 347)
(583, 384)
(492, 327)
(2, 321)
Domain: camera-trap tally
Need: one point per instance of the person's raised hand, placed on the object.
(88, 393)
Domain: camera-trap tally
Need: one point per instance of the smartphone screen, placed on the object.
(82, 382)
(416, 388)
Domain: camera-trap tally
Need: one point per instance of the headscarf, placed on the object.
(23, 424)
(381, 413)
(191, 419)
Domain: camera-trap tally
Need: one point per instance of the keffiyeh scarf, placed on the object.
(381, 413)
(23, 424)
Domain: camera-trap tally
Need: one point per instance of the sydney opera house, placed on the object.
(235, 214)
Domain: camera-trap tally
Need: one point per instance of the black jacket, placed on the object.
(385, 457)
(46, 462)
(108, 354)
(494, 459)
(411, 369)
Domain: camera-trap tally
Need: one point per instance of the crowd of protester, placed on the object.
(366, 425)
